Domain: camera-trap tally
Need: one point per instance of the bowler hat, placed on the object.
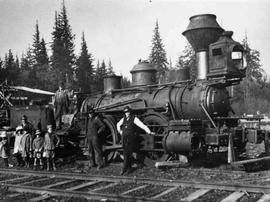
(127, 109)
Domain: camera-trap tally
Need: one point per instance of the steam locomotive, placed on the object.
(188, 116)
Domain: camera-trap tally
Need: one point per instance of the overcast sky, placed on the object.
(121, 30)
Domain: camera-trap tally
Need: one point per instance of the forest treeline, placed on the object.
(35, 68)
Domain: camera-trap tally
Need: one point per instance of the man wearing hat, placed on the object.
(38, 146)
(61, 104)
(17, 151)
(95, 127)
(4, 147)
(127, 128)
(27, 125)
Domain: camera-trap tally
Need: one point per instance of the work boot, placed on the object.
(41, 167)
(35, 167)
(48, 167)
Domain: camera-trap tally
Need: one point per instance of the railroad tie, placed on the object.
(233, 197)
(82, 185)
(264, 198)
(13, 195)
(58, 183)
(34, 181)
(165, 192)
(40, 198)
(14, 179)
(196, 194)
(135, 189)
(104, 187)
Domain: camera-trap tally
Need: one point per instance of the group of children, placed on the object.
(31, 146)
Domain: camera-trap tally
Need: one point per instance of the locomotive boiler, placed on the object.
(186, 115)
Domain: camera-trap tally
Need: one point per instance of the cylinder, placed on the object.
(202, 64)
(112, 82)
(180, 142)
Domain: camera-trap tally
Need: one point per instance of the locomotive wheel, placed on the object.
(110, 138)
(157, 124)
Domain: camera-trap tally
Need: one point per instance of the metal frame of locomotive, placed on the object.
(187, 116)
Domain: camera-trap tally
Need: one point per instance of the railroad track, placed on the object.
(120, 188)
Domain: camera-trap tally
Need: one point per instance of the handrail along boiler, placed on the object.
(188, 116)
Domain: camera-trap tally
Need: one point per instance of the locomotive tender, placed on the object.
(187, 116)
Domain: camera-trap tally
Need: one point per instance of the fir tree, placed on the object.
(44, 59)
(99, 75)
(110, 68)
(253, 69)
(84, 71)
(12, 70)
(188, 60)
(158, 54)
(63, 58)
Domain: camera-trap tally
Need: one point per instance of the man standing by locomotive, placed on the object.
(127, 128)
(95, 127)
(61, 104)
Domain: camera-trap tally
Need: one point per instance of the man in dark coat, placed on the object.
(61, 104)
(95, 127)
(127, 128)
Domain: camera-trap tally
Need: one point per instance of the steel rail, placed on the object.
(80, 194)
(162, 182)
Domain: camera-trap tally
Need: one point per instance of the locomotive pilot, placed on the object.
(95, 127)
(127, 128)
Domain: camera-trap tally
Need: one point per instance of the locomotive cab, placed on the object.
(226, 58)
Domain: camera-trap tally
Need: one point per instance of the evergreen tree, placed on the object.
(249, 96)
(2, 71)
(158, 54)
(99, 75)
(36, 47)
(253, 70)
(11, 68)
(44, 59)
(27, 60)
(188, 60)
(125, 82)
(17, 62)
(63, 58)
(110, 68)
(84, 71)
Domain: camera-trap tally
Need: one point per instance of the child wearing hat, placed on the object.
(38, 146)
(17, 151)
(4, 147)
(51, 141)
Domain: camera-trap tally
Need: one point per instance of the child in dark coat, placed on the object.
(38, 146)
(51, 141)
(26, 146)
